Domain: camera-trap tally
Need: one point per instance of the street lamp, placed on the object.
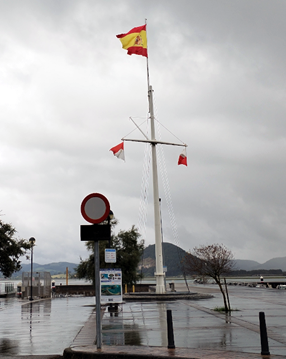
(109, 218)
(32, 243)
(111, 215)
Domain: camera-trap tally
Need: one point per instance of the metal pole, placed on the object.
(31, 296)
(32, 243)
(263, 334)
(171, 342)
(97, 294)
(161, 223)
(160, 287)
(147, 62)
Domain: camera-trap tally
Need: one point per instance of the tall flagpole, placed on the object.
(160, 283)
(147, 61)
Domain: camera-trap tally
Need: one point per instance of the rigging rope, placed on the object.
(145, 181)
(168, 197)
(135, 128)
(170, 131)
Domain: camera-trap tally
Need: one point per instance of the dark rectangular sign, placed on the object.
(95, 232)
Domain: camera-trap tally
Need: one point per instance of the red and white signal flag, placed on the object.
(183, 158)
(118, 151)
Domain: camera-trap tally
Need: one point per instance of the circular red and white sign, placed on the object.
(95, 208)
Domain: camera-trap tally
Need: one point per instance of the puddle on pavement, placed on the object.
(147, 325)
(41, 327)
(121, 335)
(49, 326)
(8, 347)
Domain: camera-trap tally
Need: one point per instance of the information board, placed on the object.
(110, 255)
(111, 286)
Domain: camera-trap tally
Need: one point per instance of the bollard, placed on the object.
(133, 288)
(263, 335)
(171, 343)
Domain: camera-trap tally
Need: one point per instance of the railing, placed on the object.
(6, 288)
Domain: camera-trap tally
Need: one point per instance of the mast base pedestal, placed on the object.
(160, 283)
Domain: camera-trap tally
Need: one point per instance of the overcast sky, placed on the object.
(68, 89)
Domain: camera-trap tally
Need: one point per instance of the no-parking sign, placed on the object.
(95, 208)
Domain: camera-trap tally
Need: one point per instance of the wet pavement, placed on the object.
(142, 327)
(41, 327)
(49, 326)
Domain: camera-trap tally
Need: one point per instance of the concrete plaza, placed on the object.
(48, 327)
(200, 332)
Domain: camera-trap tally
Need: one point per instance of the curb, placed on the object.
(132, 352)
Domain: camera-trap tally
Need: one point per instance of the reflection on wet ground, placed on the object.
(50, 326)
(196, 325)
(41, 327)
(8, 347)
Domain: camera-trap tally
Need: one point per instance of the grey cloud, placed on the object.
(68, 89)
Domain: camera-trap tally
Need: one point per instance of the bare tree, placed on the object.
(212, 261)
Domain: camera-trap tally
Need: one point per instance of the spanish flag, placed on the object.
(135, 41)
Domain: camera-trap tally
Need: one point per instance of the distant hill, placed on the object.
(274, 263)
(172, 257)
(53, 268)
(245, 264)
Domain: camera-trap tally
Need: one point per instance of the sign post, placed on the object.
(95, 209)
(97, 295)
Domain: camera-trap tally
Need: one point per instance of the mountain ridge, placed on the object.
(53, 268)
(239, 264)
(172, 256)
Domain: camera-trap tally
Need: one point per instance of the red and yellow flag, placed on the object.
(135, 41)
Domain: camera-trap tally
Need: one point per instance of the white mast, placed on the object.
(160, 285)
